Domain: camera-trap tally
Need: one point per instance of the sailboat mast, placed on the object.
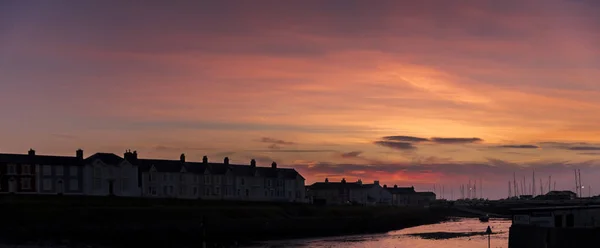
(580, 185)
(533, 184)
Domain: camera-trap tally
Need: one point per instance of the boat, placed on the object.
(485, 218)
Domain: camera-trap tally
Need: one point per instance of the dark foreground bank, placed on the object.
(173, 223)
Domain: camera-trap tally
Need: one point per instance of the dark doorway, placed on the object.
(558, 221)
(570, 220)
(111, 187)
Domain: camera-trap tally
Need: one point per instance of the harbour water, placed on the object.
(460, 233)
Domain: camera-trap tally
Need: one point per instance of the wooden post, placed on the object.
(489, 233)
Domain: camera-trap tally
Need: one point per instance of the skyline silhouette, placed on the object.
(420, 94)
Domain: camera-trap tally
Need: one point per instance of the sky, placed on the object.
(410, 93)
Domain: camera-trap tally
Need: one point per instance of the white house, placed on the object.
(108, 174)
(219, 181)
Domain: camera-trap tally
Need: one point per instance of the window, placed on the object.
(182, 190)
(207, 179)
(217, 190)
(47, 184)
(73, 170)
(266, 193)
(12, 169)
(124, 184)
(152, 190)
(152, 177)
(165, 190)
(97, 183)
(25, 169)
(59, 170)
(243, 181)
(25, 183)
(73, 184)
(171, 190)
(238, 191)
(206, 191)
(247, 192)
(195, 190)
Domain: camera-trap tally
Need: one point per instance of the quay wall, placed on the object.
(522, 236)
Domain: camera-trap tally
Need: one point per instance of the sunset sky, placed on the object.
(405, 92)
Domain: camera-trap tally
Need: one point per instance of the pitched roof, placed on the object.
(39, 159)
(163, 165)
(335, 185)
(107, 158)
(401, 190)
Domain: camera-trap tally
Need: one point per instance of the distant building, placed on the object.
(219, 181)
(407, 196)
(338, 193)
(557, 195)
(18, 173)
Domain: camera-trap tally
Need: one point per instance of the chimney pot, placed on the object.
(326, 180)
(252, 163)
(376, 182)
(31, 152)
(274, 165)
(182, 157)
(79, 154)
(226, 160)
(205, 160)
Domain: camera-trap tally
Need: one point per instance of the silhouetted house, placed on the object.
(407, 196)
(18, 173)
(338, 193)
(109, 174)
(42, 174)
(219, 181)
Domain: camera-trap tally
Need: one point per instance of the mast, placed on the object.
(509, 193)
(469, 190)
(524, 186)
(533, 184)
(515, 184)
(576, 183)
(549, 181)
(480, 188)
(541, 187)
(579, 176)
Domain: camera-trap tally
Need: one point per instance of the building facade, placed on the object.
(407, 196)
(107, 174)
(219, 181)
(60, 174)
(18, 173)
(342, 193)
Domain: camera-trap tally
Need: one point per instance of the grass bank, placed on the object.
(172, 223)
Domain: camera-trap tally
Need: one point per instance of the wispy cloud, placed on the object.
(519, 146)
(455, 140)
(397, 145)
(352, 154)
(276, 141)
(405, 138)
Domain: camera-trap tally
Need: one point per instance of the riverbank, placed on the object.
(172, 223)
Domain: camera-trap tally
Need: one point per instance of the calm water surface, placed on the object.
(404, 239)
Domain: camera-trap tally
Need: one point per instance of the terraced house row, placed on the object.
(104, 174)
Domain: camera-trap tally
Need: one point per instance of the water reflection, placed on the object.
(461, 233)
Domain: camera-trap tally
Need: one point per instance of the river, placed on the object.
(460, 233)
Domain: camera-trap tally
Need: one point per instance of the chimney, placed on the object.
(385, 186)
(359, 181)
(274, 165)
(131, 157)
(135, 155)
(395, 186)
(31, 152)
(376, 182)
(205, 160)
(252, 163)
(182, 158)
(326, 180)
(79, 154)
(226, 161)
(343, 180)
